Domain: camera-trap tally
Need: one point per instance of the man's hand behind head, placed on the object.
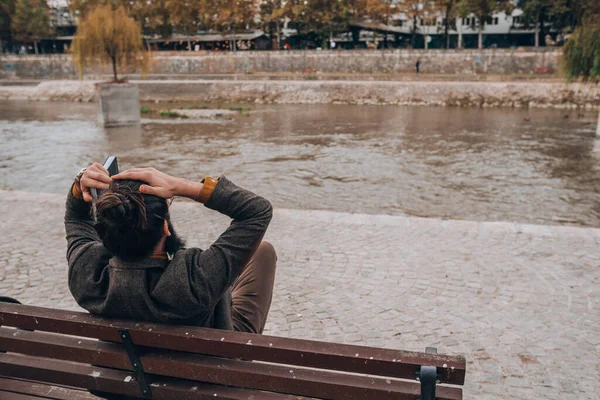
(158, 183)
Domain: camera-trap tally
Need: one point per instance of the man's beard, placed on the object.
(173, 243)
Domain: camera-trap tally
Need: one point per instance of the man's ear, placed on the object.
(166, 230)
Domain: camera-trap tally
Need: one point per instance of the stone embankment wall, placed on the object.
(464, 62)
(453, 94)
(461, 94)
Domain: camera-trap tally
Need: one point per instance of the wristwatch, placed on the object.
(207, 189)
(76, 190)
(79, 175)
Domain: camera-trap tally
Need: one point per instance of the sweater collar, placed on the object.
(146, 263)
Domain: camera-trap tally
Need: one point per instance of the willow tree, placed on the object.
(581, 55)
(108, 35)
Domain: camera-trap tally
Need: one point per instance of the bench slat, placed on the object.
(44, 391)
(121, 382)
(277, 378)
(17, 396)
(308, 353)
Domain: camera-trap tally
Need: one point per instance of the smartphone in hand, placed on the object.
(113, 168)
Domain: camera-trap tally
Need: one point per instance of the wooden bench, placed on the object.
(55, 353)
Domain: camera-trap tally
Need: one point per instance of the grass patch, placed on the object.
(145, 110)
(171, 114)
(240, 109)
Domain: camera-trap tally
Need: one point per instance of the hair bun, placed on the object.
(112, 209)
(122, 208)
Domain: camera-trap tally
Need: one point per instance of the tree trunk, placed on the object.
(355, 37)
(537, 29)
(446, 28)
(480, 36)
(460, 37)
(35, 46)
(233, 48)
(114, 65)
(541, 30)
(189, 45)
(278, 36)
(414, 32)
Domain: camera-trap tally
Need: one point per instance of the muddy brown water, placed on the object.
(472, 164)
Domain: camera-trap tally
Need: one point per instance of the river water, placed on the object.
(529, 166)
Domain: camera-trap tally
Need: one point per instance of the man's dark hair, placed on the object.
(130, 223)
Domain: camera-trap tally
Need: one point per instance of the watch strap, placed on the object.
(208, 187)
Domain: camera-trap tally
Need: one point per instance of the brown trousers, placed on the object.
(252, 291)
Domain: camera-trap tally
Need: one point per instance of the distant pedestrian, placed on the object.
(418, 65)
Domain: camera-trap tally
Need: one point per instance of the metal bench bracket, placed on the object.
(136, 364)
(428, 377)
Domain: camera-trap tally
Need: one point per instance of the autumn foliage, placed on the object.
(108, 35)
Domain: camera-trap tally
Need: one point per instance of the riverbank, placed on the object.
(421, 93)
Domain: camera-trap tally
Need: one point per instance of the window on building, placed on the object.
(422, 22)
(516, 20)
(495, 20)
(399, 22)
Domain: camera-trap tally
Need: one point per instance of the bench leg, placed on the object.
(427, 375)
(138, 369)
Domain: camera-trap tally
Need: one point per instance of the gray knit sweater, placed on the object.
(191, 289)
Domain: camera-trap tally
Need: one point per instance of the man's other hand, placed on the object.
(94, 177)
(158, 183)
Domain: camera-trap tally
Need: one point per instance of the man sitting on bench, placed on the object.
(131, 264)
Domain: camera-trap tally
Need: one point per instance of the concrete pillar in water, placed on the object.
(119, 104)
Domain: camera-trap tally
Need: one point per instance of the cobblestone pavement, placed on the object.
(521, 302)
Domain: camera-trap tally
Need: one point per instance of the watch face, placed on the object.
(79, 175)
